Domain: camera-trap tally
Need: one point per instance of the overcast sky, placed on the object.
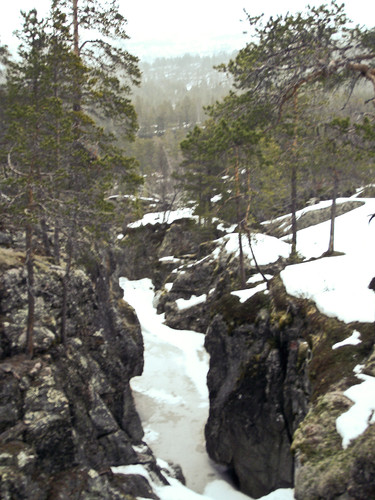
(172, 27)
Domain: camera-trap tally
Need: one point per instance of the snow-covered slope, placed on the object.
(339, 284)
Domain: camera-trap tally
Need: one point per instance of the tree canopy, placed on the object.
(288, 52)
(293, 79)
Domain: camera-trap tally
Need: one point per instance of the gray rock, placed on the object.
(68, 413)
(257, 399)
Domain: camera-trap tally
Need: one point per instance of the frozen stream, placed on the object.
(172, 399)
(171, 396)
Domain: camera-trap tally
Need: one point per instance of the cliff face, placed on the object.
(259, 393)
(67, 415)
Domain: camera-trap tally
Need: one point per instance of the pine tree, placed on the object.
(98, 33)
(292, 56)
(29, 112)
(202, 169)
(60, 164)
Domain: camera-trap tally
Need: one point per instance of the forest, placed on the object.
(242, 137)
(170, 101)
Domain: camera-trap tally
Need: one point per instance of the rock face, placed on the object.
(276, 389)
(324, 468)
(142, 250)
(67, 415)
(259, 392)
(275, 383)
(310, 218)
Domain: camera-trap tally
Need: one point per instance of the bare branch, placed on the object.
(12, 168)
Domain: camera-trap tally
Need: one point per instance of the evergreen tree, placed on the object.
(294, 55)
(30, 110)
(98, 30)
(60, 164)
(295, 51)
(202, 168)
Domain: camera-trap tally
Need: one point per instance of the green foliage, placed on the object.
(203, 167)
(72, 158)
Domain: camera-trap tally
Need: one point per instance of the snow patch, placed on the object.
(352, 340)
(183, 304)
(163, 217)
(169, 259)
(258, 277)
(355, 421)
(244, 295)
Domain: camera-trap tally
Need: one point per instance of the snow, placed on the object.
(249, 292)
(216, 490)
(355, 421)
(169, 259)
(171, 395)
(163, 217)
(352, 340)
(339, 287)
(258, 277)
(183, 304)
(267, 249)
(230, 229)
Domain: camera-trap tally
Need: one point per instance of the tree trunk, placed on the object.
(247, 230)
(242, 266)
(77, 90)
(294, 179)
(333, 214)
(75, 28)
(239, 222)
(46, 244)
(30, 281)
(65, 290)
(56, 244)
(294, 209)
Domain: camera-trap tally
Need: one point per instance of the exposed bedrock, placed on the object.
(67, 415)
(259, 393)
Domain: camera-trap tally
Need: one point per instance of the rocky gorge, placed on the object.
(275, 385)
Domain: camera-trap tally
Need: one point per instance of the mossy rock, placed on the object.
(236, 313)
(325, 470)
(330, 367)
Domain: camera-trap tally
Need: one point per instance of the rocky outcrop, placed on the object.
(67, 415)
(282, 227)
(259, 392)
(324, 467)
(276, 389)
(144, 250)
(276, 385)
